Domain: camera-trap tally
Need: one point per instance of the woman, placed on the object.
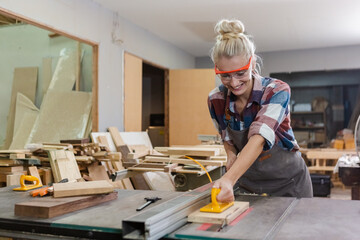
(252, 116)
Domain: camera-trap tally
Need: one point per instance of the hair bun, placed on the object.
(226, 29)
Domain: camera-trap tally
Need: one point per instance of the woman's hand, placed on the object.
(227, 193)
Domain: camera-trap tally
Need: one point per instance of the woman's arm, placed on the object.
(246, 158)
(231, 154)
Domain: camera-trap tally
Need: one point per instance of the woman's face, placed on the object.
(238, 82)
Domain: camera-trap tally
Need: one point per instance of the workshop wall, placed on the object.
(89, 20)
(330, 58)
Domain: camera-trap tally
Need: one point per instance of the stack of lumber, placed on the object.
(10, 167)
(179, 159)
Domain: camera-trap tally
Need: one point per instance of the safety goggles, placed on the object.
(246, 67)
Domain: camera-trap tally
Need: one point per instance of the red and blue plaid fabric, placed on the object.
(266, 113)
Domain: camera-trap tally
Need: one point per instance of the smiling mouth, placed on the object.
(239, 86)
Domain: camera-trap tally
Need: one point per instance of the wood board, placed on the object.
(25, 116)
(64, 165)
(95, 139)
(63, 115)
(190, 116)
(132, 92)
(25, 81)
(64, 75)
(204, 152)
(48, 207)
(183, 161)
(46, 74)
(218, 218)
(82, 188)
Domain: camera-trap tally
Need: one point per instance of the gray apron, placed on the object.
(276, 172)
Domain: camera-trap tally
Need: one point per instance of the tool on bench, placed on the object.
(46, 190)
(214, 206)
(24, 187)
(149, 200)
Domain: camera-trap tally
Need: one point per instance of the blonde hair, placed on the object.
(231, 40)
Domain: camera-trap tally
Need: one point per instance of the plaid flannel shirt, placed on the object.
(266, 113)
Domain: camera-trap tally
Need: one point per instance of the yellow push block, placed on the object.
(29, 178)
(214, 206)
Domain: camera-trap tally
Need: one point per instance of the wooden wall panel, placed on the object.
(132, 93)
(188, 110)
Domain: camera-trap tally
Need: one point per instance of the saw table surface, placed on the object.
(267, 218)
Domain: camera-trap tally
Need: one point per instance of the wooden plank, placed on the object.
(82, 188)
(13, 179)
(48, 207)
(183, 161)
(218, 218)
(11, 169)
(205, 152)
(63, 115)
(64, 165)
(46, 74)
(33, 171)
(64, 75)
(190, 116)
(114, 132)
(132, 92)
(95, 139)
(25, 81)
(9, 162)
(103, 141)
(327, 154)
(137, 155)
(159, 181)
(25, 116)
(97, 172)
(321, 168)
(145, 169)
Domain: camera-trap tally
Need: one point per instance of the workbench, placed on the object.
(267, 218)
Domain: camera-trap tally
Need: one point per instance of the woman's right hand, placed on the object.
(226, 193)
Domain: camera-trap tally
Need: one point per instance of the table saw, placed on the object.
(267, 218)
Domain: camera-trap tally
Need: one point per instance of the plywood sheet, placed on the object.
(46, 74)
(25, 116)
(95, 139)
(48, 207)
(63, 115)
(25, 81)
(82, 188)
(132, 92)
(65, 72)
(188, 110)
(218, 218)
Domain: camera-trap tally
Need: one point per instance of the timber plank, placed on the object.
(183, 161)
(218, 218)
(48, 207)
(204, 152)
(82, 188)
